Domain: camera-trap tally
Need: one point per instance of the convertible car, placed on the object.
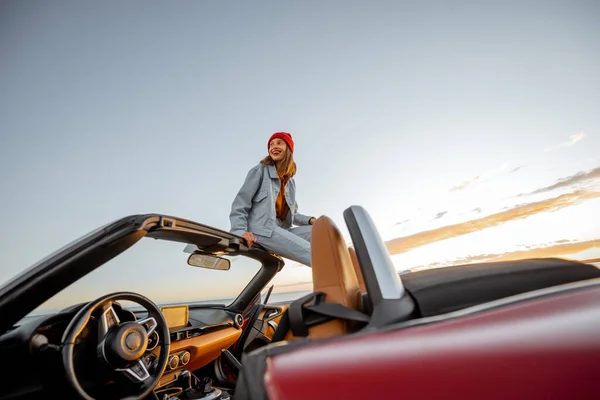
(521, 329)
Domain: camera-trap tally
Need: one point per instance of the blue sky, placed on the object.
(113, 108)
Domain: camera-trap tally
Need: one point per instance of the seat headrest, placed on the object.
(333, 274)
(332, 268)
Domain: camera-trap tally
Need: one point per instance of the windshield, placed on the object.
(157, 269)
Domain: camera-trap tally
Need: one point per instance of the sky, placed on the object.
(469, 132)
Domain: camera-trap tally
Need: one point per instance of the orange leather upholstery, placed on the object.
(333, 274)
(357, 270)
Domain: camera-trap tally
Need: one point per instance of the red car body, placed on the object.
(530, 347)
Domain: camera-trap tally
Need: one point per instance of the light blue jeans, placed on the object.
(292, 243)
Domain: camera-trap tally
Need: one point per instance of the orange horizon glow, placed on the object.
(558, 250)
(407, 243)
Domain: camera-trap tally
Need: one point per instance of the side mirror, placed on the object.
(209, 261)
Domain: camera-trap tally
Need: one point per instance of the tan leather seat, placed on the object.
(357, 270)
(333, 274)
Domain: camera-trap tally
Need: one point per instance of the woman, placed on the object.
(265, 208)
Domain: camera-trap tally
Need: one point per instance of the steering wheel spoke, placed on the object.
(108, 319)
(136, 372)
(149, 324)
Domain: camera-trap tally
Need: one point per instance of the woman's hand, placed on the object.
(250, 239)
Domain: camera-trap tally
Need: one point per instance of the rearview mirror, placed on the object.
(209, 261)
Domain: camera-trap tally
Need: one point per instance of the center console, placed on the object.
(177, 382)
(189, 387)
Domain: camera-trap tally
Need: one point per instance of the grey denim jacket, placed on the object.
(253, 209)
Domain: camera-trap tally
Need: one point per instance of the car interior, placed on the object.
(246, 350)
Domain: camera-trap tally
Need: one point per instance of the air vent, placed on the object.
(176, 336)
(238, 321)
(185, 358)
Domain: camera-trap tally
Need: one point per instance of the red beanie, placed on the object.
(286, 137)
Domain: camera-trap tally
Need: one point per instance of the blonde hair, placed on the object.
(287, 166)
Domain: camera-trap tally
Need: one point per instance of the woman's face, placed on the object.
(277, 149)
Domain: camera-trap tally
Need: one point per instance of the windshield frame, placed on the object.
(27, 290)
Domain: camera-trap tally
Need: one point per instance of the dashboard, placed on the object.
(197, 336)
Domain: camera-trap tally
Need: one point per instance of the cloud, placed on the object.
(556, 249)
(515, 169)
(573, 139)
(479, 178)
(402, 222)
(580, 177)
(465, 184)
(440, 214)
(407, 243)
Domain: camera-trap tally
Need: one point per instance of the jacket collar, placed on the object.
(272, 171)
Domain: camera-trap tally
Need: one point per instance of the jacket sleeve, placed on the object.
(300, 219)
(240, 208)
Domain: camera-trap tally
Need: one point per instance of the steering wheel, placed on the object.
(121, 345)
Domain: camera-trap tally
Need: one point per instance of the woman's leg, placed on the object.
(293, 244)
(305, 232)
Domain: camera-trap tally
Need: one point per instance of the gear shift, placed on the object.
(186, 376)
(198, 388)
